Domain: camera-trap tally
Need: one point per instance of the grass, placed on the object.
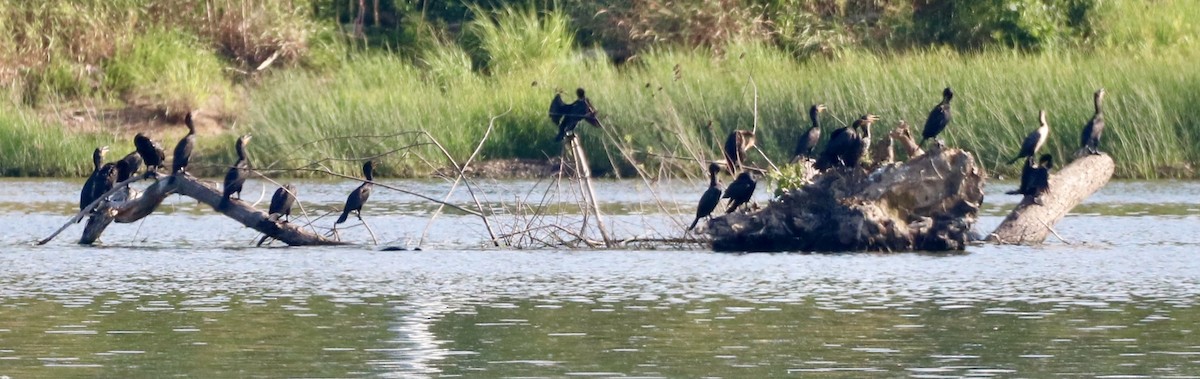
(168, 70)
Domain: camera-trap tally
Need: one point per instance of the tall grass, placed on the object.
(1151, 131)
(31, 147)
(169, 70)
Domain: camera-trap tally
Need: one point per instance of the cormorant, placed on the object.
(739, 191)
(808, 140)
(1090, 140)
(183, 149)
(106, 177)
(712, 196)
(1035, 179)
(738, 142)
(128, 165)
(1034, 141)
(236, 176)
(359, 196)
(86, 195)
(846, 145)
(281, 202)
(939, 117)
(567, 116)
(152, 154)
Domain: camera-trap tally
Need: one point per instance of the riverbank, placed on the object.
(665, 108)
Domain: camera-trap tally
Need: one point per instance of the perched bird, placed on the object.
(183, 149)
(1090, 140)
(1035, 179)
(739, 191)
(847, 145)
(1034, 141)
(128, 166)
(808, 140)
(939, 117)
(567, 116)
(152, 154)
(86, 195)
(736, 145)
(711, 196)
(281, 202)
(106, 178)
(236, 176)
(359, 196)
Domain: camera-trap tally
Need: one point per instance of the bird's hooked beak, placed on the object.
(870, 118)
(820, 107)
(1101, 93)
(103, 149)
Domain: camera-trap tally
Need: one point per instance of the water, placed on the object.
(184, 294)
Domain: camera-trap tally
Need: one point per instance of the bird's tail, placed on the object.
(342, 218)
(1013, 192)
(694, 224)
(225, 203)
(561, 133)
(922, 144)
(1014, 160)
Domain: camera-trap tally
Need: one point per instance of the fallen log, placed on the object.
(137, 207)
(929, 202)
(1030, 223)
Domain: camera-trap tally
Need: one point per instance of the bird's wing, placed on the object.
(557, 109)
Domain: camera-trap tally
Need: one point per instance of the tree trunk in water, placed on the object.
(138, 207)
(1030, 223)
(927, 203)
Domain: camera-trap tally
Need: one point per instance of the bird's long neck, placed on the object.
(712, 178)
(241, 151)
(191, 129)
(815, 116)
(96, 158)
(369, 174)
(1097, 103)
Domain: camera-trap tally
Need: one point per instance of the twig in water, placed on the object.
(1051, 229)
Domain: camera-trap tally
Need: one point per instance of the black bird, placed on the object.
(183, 149)
(152, 154)
(1035, 179)
(939, 117)
(736, 145)
(739, 191)
(236, 176)
(1090, 140)
(847, 145)
(281, 202)
(567, 116)
(86, 195)
(106, 177)
(712, 196)
(128, 165)
(359, 196)
(808, 140)
(1034, 141)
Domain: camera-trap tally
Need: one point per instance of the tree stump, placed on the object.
(1030, 222)
(927, 203)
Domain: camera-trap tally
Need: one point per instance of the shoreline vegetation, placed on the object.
(323, 81)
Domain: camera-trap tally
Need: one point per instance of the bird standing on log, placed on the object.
(236, 176)
(86, 195)
(567, 116)
(359, 196)
(106, 178)
(736, 145)
(1034, 141)
(128, 166)
(1035, 179)
(152, 154)
(1090, 140)
(939, 117)
(739, 191)
(846, 145)
(711, 196)
(183, 149)
(281, 202)
(808, 141)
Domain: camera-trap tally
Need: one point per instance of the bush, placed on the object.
(1022, 24)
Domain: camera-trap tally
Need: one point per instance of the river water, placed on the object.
(185, 294)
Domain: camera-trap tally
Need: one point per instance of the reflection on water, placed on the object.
(178, 295)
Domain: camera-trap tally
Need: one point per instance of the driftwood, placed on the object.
(136, 208)
(927, 203)
(1030, 223)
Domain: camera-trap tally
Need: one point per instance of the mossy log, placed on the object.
(1030, 223)
(132, 208)
(927, 203)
